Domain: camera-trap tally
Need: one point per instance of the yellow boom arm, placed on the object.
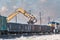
(20, 10)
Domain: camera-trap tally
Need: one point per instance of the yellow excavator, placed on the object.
(31, 18)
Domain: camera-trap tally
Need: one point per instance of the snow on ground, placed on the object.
(36, 37)
(44, 37)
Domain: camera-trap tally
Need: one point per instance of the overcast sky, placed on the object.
(48, 8)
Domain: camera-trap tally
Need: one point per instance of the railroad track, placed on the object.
(25, 34)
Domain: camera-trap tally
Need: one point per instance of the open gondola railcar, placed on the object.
(26, 28)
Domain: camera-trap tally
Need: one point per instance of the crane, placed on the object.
(31, 18)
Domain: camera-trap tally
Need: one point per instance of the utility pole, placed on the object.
(40, 18)
(16, 18)
(16, 15)
(0, 13)
(48, 19)
(29, 21)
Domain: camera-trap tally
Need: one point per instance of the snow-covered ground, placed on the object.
(35, 37)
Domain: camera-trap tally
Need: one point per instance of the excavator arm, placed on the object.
(20, 10)
(11, 16)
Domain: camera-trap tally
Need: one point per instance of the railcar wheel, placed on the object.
(43, 33)
(49, 32)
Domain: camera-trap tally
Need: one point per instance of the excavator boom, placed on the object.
(20, 10)
(11, 16)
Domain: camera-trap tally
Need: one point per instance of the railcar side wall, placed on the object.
(13, 27)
